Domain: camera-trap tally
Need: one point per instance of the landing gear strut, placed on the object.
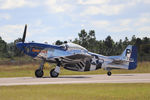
(39, 72)
(109, 73)
(55, 72)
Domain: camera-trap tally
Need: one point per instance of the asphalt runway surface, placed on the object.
(71, 79)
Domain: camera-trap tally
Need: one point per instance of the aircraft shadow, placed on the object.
(68, 77)
(123, 75)
(74, 77)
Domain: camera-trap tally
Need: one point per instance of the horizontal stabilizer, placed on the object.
(128, 59)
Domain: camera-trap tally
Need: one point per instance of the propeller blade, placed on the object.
(24, 34)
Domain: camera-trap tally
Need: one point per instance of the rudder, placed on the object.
(133, 64)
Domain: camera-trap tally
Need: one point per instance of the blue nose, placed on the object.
(20, 45)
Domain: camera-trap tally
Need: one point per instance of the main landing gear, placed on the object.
(53, 73)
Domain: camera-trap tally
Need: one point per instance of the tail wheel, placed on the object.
(39, 73)
(109, 73)
(53, 73)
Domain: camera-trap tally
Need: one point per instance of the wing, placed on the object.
(72, 59)
(121, 61)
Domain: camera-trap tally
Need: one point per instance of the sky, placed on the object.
(51, 20)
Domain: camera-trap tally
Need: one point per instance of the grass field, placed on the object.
(77, 92)
(28, 70)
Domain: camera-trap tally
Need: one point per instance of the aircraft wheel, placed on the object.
(109, 73)
(39, 73)
(53, 73)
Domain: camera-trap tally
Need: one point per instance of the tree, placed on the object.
(133, 40)
(76, 41)
(16, 51)
(101, 47)
(91, 39)
(3, 48)
(108, 42)
(119, 48)
(146, 40)
(125, 42)
(83, 38)
(109, 45)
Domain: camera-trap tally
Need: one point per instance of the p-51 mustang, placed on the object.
(76, 58)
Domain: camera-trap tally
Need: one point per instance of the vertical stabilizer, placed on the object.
(130, 55)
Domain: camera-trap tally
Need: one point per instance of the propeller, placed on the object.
(20, 42)
(24, 33)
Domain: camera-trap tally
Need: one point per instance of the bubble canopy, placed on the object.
(72, 46)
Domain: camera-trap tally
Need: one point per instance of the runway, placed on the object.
(71, 79)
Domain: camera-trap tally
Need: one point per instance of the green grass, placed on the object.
(28, 70)
(117, 91)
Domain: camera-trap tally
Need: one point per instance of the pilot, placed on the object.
(65, 46)
(65, 42)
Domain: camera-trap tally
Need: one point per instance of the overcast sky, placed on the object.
(51, 20)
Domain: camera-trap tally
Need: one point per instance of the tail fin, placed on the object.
(130, 55)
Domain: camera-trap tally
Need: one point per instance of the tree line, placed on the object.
(109, 47)
(88, 40)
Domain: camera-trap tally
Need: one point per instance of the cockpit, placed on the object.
(72, 46)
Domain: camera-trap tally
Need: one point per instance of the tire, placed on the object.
(53, 73)
(39, 73)
(109, 73)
